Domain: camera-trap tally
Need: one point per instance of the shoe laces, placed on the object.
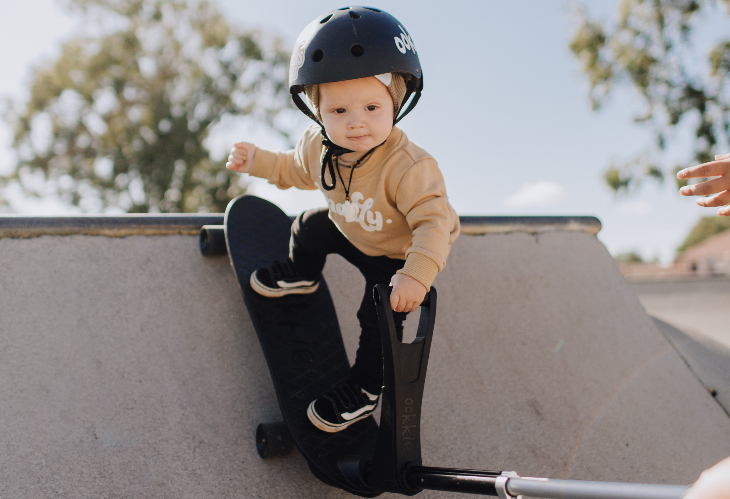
(346, 395)
(282, 269)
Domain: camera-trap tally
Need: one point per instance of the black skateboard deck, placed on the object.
(301, 340)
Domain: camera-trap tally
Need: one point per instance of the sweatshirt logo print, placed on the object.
(355, 211)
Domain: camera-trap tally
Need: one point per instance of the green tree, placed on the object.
(650, 48)
(120, 119)
(704, 229)
(630, 257)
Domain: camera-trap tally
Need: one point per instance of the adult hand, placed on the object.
(407, 293)
(714, 483)
(719, 186)
(241, 157)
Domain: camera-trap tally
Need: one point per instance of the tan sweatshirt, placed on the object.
(401, 207)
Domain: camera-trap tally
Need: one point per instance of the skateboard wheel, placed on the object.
(213, 240)
(273, 440)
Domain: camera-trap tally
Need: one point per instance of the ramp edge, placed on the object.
(18, 226)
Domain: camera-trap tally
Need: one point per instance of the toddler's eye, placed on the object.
(372, 107)
(340, 110)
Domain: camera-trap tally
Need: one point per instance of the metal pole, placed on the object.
(506, 484)
(576, 489)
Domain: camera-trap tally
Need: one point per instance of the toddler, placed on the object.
(387, 214)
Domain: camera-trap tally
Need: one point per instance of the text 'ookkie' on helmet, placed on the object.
(351, 43)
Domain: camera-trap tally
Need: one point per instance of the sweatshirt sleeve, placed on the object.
(284, 169)
(421, 197)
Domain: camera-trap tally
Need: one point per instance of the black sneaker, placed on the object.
(280, 279)
(343, 405)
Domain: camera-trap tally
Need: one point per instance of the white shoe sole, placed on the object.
(329, 427)
(257, 286)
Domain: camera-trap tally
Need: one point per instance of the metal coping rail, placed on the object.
(18, 226)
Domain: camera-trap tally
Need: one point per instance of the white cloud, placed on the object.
(543, 193)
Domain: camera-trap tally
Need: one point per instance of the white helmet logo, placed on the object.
(404, 42)
(297, 60)
(299, 53)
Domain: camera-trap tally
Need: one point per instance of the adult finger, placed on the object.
(711, 169)
(722, 156)
(705, 188)
(720, 199)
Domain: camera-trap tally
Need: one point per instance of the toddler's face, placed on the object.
(357, 114)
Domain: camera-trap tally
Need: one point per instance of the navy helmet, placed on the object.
(350, 43)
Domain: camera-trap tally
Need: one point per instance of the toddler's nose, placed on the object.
(357, 120)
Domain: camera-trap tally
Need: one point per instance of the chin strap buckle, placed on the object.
(501, 485)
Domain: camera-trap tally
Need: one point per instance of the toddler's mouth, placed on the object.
(359, 138)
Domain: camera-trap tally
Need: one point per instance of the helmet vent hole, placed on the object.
(353, 15)
(374, 10)
(318, 55)
(325, 19)
(357, 50)
(344, 8)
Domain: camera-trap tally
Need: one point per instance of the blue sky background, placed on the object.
(505, 111)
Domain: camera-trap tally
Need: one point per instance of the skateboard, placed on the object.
(302, 343)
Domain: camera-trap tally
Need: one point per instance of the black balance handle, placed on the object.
(404, 376)
(454, 480)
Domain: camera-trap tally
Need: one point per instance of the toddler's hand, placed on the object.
(241, 157)
(719, 186)
(407, 293)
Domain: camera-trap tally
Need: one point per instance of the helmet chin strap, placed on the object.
(332, 150)
(410, 89)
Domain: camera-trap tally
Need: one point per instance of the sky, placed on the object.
(505, 112)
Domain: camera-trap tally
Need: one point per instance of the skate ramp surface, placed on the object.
(129, 368)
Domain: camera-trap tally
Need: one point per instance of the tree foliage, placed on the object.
(704, 229)
(120, 119)
(630, 257)
(650, 48)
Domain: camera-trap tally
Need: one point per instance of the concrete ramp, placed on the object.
(129, 368)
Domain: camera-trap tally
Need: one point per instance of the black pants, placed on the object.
(313, 237)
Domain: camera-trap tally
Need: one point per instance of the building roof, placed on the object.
(715, 246)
